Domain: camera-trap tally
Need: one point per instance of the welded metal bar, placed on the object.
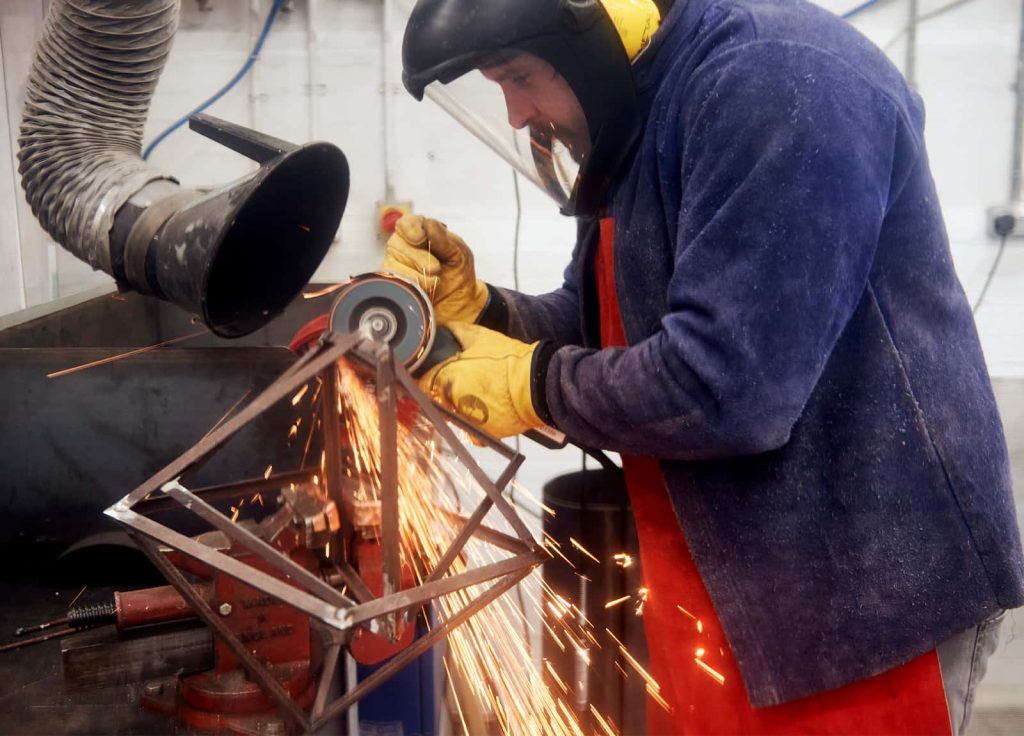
(258, 579)
(253, 666)
(486, 534)
(266, 552)
(417, 648)
(323, 355)
(227, 490)
(331, 424)
(431, 411)
(474, 521)
(326, 677)
(391, 552)
(355, 584)
(428, 591)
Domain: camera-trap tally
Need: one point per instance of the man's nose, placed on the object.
(521, 109)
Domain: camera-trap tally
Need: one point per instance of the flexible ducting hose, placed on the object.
(88, 95)
(236, 255)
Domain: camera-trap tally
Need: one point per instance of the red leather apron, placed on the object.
(682, 627)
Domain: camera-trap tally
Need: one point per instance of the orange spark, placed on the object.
(121, 356)
(322, 292)
(699, 652)
(583, 549)
(623, 560)
(711, 671)
(617, 601)
(268, 471)
(686, 612)
(298, 396)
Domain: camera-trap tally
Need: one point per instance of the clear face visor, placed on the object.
(525, 111)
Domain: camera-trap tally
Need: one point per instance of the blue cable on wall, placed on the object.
(253, 56)
(863, 6)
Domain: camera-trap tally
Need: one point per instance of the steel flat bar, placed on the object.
(417, 648)
(331, 418)
(227, 490)
(486, 534)
(431, 411)
(252, 665)
(326, 677)
(428, 591)
(474, 521)
(270, 585)
(324, 355)
(268, 553)
(391, 560)
(355, 584)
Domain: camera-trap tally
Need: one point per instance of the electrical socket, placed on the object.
(1005, 220)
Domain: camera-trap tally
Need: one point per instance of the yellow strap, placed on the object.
(635, 20)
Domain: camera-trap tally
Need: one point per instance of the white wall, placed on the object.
(338, 78)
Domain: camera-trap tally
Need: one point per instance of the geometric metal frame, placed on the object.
(308, 593)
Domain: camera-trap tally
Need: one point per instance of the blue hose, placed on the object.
(253, 56)
(863, 6)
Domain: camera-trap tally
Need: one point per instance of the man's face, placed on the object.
(539, 97)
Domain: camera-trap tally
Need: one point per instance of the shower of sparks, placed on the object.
(322, 292)
(122, 356)
(491, 653)
(711, 671)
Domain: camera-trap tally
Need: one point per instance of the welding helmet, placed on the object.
(551, 88)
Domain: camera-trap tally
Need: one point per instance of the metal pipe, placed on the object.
(1018, 118)
(910, 70)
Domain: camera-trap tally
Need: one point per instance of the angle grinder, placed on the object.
(389, 308)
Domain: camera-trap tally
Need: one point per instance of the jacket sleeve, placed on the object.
(786, 158)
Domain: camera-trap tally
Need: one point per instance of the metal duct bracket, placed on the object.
(252, 144)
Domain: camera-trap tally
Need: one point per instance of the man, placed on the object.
(761, 315)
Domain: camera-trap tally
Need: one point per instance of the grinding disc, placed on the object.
(388, 308)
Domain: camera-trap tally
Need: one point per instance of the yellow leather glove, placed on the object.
(441, 263)
(488, 382)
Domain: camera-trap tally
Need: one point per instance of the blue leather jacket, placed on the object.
(801, 357)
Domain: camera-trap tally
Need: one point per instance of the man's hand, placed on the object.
(488, 382)
(441, 263)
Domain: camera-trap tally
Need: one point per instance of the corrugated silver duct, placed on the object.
(237, 255)
(94, 74)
